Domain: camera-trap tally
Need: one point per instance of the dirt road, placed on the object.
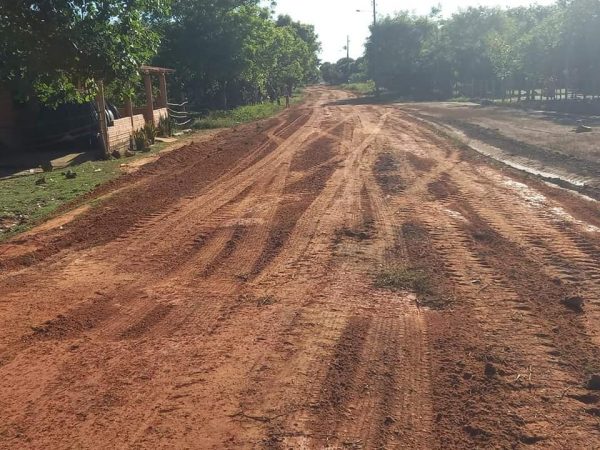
(234, 294)
(543, 143)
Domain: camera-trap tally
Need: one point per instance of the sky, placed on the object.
(336, 19)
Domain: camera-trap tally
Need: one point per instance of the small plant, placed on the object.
(151, 132)
(165, 126)
(140, 140)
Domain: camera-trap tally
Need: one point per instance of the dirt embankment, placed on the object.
(340, 276)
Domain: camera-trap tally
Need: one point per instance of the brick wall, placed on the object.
(119, 133)
(158, 113)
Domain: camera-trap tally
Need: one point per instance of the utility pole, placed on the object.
(374, 12)
(348, 47)
(374, 33)
(374, 38)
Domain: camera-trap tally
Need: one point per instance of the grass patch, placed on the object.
(400, 278)
(460, 99)
(266, 300)
(242, 114)
(27, 200)
(365, 88)
(412, 279)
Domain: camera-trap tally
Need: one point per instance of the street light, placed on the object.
(374, 12)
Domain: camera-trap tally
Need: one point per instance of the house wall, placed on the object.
(119, 134)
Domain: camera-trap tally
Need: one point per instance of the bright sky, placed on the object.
(335, 19)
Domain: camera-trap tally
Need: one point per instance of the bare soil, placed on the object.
(543, 142)
(225, 296)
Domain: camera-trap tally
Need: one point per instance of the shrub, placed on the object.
(141, 140)
(165, 127)
(151, 132)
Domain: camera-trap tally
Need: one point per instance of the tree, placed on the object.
(344, 71)
(398, 53)
(56, 50)
(486, 51)
(233, 52)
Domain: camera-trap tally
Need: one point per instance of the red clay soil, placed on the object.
(227, 296)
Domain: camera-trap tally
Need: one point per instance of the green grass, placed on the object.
(22, 197)
(365, 88)
(460, 99)
(242, 114)
(23, 203)
(419, 281)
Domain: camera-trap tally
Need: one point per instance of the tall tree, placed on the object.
(234, 52)
(55, 50)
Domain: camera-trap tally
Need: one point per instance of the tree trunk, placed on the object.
(224, 99)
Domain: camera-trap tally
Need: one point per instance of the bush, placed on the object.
(151, 132)
(165, 127)
(141, 140)
(365, 88)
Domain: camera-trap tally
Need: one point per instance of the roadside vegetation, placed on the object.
(28, 200)
(403, 278)
(364, 88)
(241, 114)
(236, 116)
(232, 58)
(548, 53)
(225, 54)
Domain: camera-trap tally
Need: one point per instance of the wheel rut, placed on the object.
(338, 276)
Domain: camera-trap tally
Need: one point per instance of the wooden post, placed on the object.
(149, 112)
(102, 120)
(162, 79)
(129, 109)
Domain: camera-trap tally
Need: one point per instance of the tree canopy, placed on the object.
(55, 50)
(234, 52)
(225, 52)
(346, 70)
(481, 51)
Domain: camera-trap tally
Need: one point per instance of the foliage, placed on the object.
(151, 132)
(346, 70)
(234, 53)
(241, 114)
(225, 53)
(365, 88)
(403, 278)
(485, 51)
(57, 50)
(165, 126)
(140, 140)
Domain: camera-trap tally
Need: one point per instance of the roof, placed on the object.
(152, 69)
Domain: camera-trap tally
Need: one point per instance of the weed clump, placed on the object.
(413, 279)
(399, 278)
